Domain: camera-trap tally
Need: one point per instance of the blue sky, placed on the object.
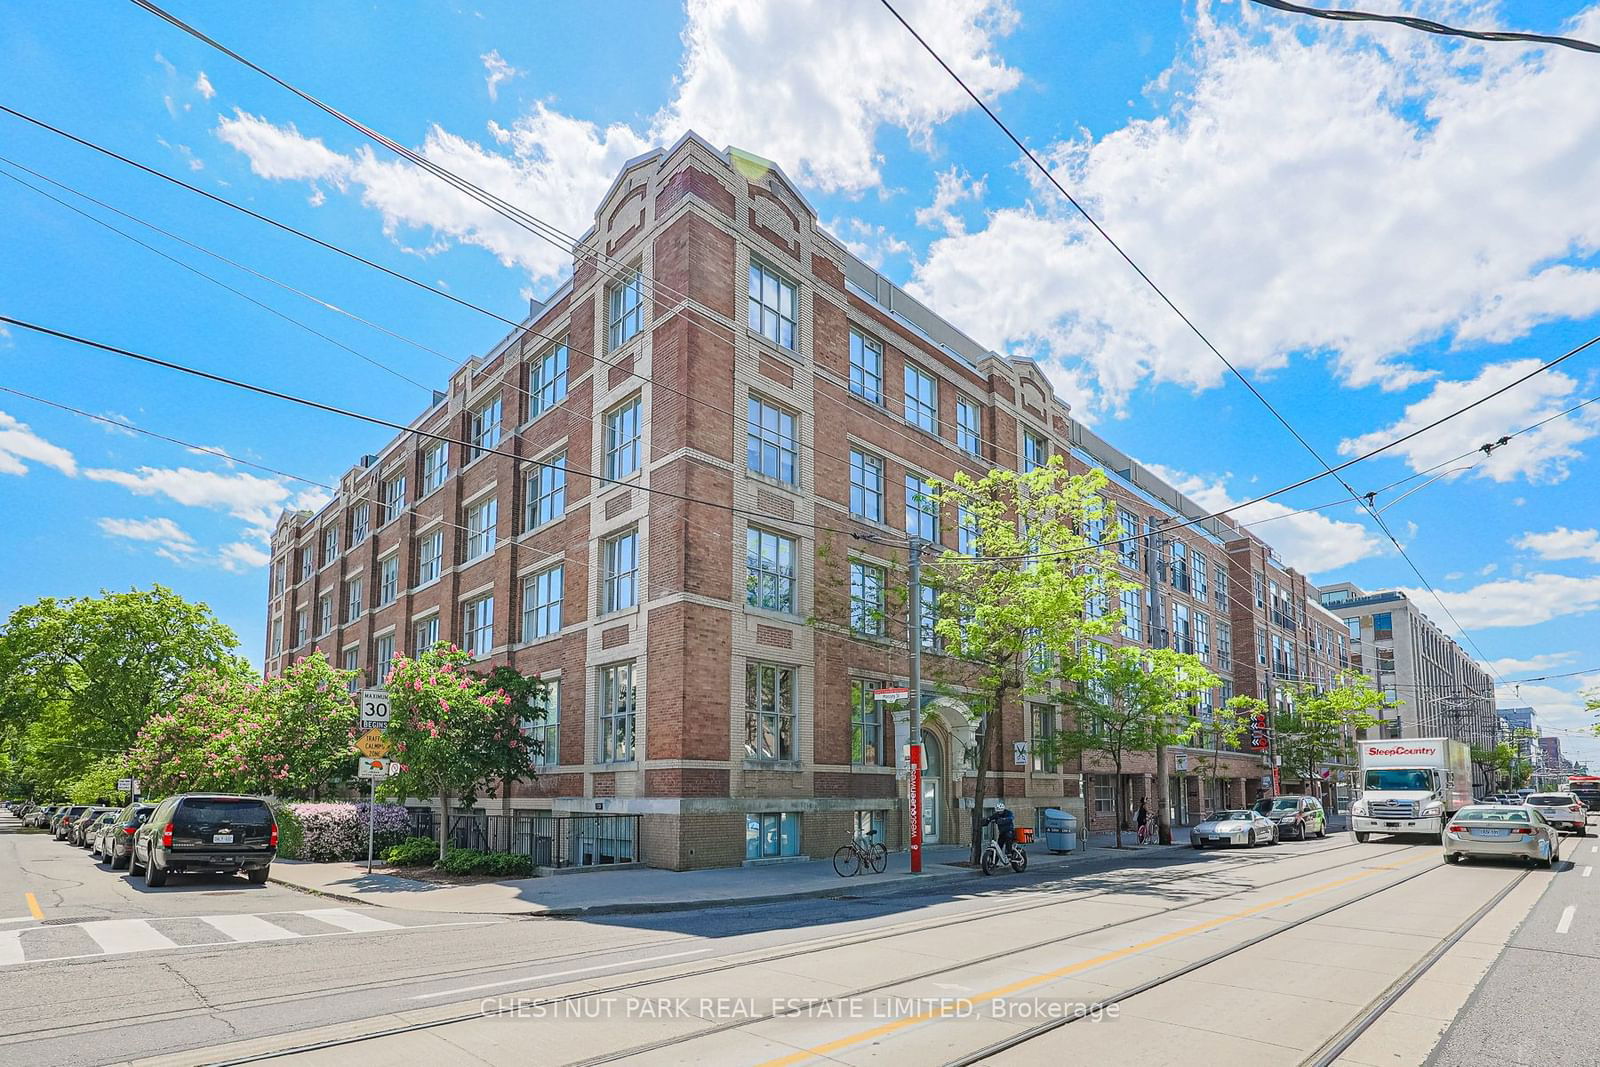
(1376, 226)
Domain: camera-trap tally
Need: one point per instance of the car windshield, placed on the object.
(1491, 815)
(1399, 779)
(1228, 816)
(1551, 800)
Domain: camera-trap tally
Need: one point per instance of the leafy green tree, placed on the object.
(1227, 728)
(1320, 728)
(1014, 617)
(457, 734)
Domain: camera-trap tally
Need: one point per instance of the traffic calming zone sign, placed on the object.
(372, 744)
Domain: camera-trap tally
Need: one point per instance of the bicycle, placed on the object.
(1146, 832)
(859, 854)
(994, 856)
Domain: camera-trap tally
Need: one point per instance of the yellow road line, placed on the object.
(1062, 972)
(33, 906)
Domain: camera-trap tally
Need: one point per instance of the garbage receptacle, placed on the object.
(1059, 829)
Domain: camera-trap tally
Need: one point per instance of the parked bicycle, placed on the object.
(861, 854)
(994, 856)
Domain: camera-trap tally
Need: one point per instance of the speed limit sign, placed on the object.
(374, 709)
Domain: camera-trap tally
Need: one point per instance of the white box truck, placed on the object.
(1411, 785)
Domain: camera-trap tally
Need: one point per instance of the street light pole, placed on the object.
(914, 752)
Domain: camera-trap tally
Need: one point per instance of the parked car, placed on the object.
(205, 832)
(78, 831)
(90, 827)
(1296, 816)
(116, 835)
(1562, 810)
(61, 822)
(39, 817)
(1501, 832)
(1242, 826)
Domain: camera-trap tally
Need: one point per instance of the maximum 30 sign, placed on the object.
(374, 709)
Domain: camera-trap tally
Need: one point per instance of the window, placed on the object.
(308, 562)
(545, 496)
(1094, 527)
(330, 545)
(1042, 750)
(771, 306)
(544, 733)
(1383, 626)
(435, 467)
(866, 599)
(625, 309)
(867, 746)
(617, 699)
(483, 428)
(360, 523)
(277, 637)
(1197, 566)
(1219, 589)
(351, 661)
(922, 400)
(1035, 452)
(424, 635)
(277, 578)
(1105, 795)
(866, 486)
(1354, 626)
(388, 580)
(353, 599)
(966, 531)
(1131, 624)
(1180, 566)
(1202, 636)
(481, 521)
(430, 556)
(866, 368)
(771, 834)
(770, 445)
(922, 510)
(770, 558)
(1128, 550)
(968, 436)
(769, 712)
(1224, 646)
(1261, 645)
(541, 603)
(620, 583)
(394, 498)
(930, 618)
(547, 381)
(302, 627)
(1181, 636)
(477, 627)
(1261, 590)
(383, 648)
(622, 440)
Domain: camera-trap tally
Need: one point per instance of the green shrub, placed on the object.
(412, 852)
(496, 864)
(291, 836)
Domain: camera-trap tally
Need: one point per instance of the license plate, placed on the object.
(1490, 833)
(222, 839)
(1392, 825)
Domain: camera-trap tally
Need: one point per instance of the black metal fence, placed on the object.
(553, 840)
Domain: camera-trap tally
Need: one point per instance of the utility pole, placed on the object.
(914, 772)
(1154, 544)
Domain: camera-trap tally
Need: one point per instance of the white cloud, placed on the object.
(1310, 541)
(256, 501)
(202, 85)
(5, 338)
(119, 424)
(1540, 456)
(1304, 193)
(19, 446)
(497, 70)
(241, 556)
(1522, 601)
(282, 153)
(953, 187)
(172, 540)
(1562, 543)
(1542, 662)
(869, 242)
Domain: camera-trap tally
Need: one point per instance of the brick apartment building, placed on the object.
(651, 465)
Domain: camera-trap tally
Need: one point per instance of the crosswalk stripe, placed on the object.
(126, 935)
(10, 947)
(247, 927)
(355, 922)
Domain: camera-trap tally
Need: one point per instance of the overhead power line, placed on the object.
(1430, 26)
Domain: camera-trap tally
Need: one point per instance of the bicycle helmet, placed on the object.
(999, 805)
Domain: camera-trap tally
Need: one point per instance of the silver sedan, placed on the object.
(1239, 826)
(1484, 832)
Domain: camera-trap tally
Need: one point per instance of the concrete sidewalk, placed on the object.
(644, 889)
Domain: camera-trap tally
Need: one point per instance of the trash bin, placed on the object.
(1059, 830)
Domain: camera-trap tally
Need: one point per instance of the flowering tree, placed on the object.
(458, 734)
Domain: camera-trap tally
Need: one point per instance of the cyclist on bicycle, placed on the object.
(1143, 820)
(1005, 825)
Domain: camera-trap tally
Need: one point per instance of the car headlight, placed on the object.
(1358, 808)
(1435, 808)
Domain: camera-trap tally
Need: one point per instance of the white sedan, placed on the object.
(1239, 826)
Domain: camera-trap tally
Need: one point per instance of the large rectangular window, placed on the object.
(477, 626)
(866, 368)
(929, 617)
(482, 521)
(541, 603)
(922, 399)
(394, 498)
(430, 557)
(545, 493)
(867, 744)
(383, 651)
(969, 435)
(547, 380)
(325, 615)
(617, 697)
(1128, 533)
(922, 509)
(768, 835)
(769, 711)
(435, 467)
(1035, 452)
(544, 733)
(424, 635)
(1042, 749)
(866, 599)
(1202, 636)
(772, 305)
(1224, 645)
(1182, 636)
(619, 587)
(1132, 627)
(483, 428)
(622, 439)
(1105, 795)
(966, 531)
(770, 442)
(866, 486)
(624, 309)
(360, 524)
(1219, 586)
(354, 601)
(1180, 566)
(388, 580)
(1383, 626)
(350, 660)
(330, 545)
(769, 558)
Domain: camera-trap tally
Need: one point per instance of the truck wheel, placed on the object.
(1361, 838)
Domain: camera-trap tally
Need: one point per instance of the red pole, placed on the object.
(915, 807)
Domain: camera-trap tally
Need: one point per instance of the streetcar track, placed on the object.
(530, 1003)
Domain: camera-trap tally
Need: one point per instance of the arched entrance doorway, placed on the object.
(932, 788)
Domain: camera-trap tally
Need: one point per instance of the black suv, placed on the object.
(205, 832)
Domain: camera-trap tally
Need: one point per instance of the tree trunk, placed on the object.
(985, 750)
(444, 822)
(1163, 824)
(1119, 798)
